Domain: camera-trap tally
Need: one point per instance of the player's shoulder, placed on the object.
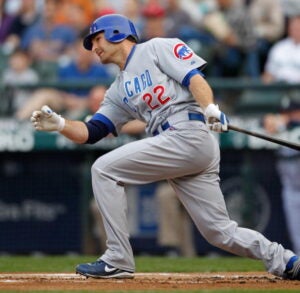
(161, 42)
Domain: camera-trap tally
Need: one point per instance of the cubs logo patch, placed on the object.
(182, 51)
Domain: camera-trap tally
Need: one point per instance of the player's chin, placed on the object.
(103, 60)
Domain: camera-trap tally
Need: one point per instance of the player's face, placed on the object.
(105, 50)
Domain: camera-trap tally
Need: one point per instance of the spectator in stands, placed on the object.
(46, 40)
(78, 14)
(288, 165)
(154, 24)
(269, 25)
(132, 9)
(178, 22)
(197, 9)
(290, 7)
(81, 68)
(283, 64)
(118, 6)
(236, 43)
(19, 72)
(95, 98)
(165, 21)
(6, 21)
(27, 16)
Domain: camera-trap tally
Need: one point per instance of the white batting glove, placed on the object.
(47, 120)
(216, 120)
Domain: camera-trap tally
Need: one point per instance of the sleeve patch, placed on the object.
(182, 51)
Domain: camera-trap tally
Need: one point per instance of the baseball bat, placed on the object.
(279, 141)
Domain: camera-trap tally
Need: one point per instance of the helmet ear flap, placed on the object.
(114, 35)
(117, 38)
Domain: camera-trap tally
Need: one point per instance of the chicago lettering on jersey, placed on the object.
(138, 83)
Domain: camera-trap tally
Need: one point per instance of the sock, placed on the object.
(290, 263)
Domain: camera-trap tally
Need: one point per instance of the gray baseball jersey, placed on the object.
(149, 88)
(152, 88)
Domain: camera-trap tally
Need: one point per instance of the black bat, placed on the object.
(279, 141)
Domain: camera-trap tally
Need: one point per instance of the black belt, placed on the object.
(191, 116)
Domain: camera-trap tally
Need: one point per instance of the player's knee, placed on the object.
(102, 169)
(96, 169)
(100, 164)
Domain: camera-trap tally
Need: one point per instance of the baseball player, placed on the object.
(161, 83)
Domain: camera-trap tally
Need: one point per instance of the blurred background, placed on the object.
(46, 202)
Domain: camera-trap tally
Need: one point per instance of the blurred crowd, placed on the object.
(40, 41)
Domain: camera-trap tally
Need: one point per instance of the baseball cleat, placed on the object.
(292, 271)
(102, 270)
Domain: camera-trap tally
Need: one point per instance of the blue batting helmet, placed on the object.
(116, 28)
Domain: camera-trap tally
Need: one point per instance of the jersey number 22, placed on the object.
(156, 99)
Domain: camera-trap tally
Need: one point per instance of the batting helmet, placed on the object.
(116, 28)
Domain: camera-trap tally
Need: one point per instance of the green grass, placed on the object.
(200, 264)
(64, 264)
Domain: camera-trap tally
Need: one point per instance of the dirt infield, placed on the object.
(144, 281)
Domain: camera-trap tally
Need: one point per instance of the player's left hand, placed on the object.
(216, 120)
(47, 120)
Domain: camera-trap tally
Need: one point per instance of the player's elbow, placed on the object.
(82, 140)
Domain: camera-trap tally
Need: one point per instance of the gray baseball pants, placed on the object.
(188, 157)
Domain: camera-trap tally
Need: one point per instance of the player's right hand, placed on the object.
(47, 120)
(216, 120)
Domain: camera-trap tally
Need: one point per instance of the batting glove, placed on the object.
(47, 120)
(216, 120)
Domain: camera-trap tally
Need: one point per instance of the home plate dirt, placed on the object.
(144, 281)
